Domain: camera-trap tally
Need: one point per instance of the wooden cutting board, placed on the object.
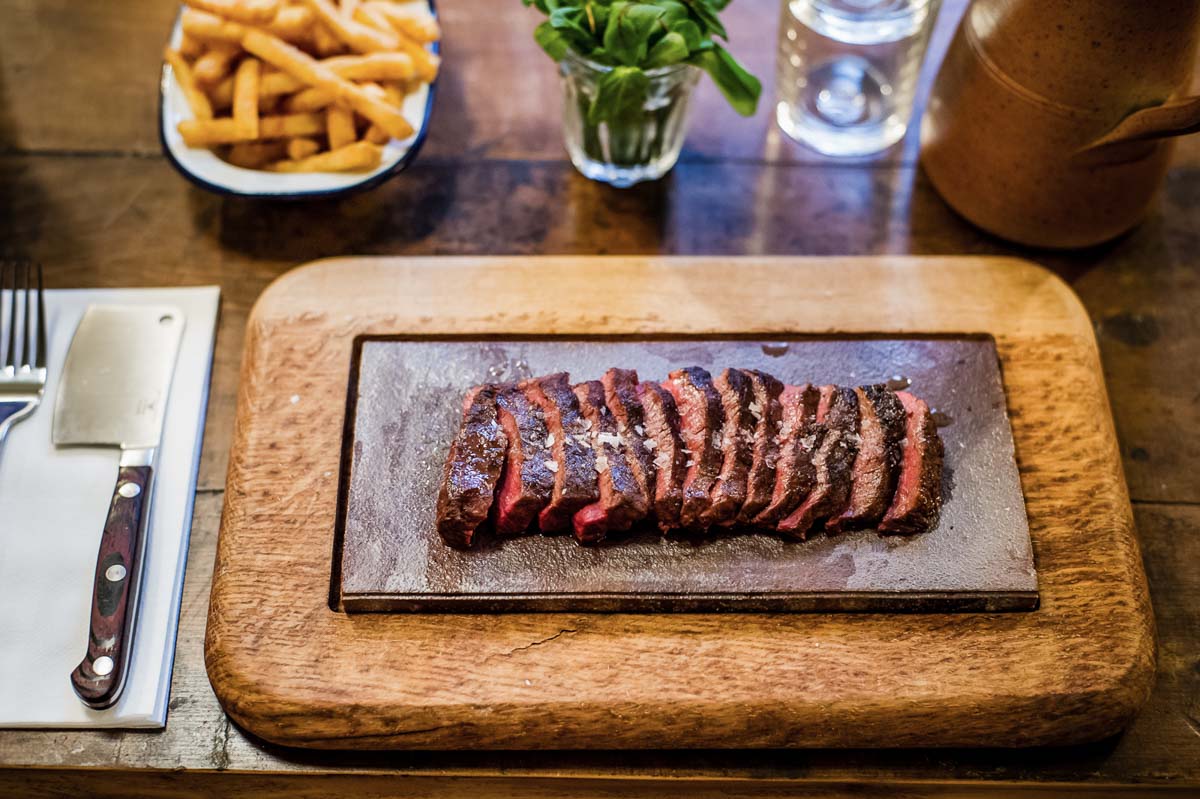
(293, 670)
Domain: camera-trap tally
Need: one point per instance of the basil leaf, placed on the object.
(620, 95)
(707, 15)
(630, 26)
(690, 32)
(552, 41)
(740, 88)
(671, 49)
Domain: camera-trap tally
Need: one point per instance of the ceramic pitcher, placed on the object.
(1051, 120)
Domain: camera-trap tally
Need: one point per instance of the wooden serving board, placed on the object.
(290, 668)
(405, 408)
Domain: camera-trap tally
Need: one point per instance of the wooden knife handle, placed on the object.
(99, 678)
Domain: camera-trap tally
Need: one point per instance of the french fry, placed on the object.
(376, 135)
(356, 35)
(207, 132)
(256, 154)
(214, 65)
(311, 99)
(201, 108)
(425, 62)
(190, 47)
(357, 157)
(292, 24)
(324, 42)
(301, 147)
(211, 28)
(300, 65)
(251, 12)
(245, 97)
(348, 7)
(373, 66)
(410, 19)
(339, 127)
(372, 19)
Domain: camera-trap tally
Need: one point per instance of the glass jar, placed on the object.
(636, 147)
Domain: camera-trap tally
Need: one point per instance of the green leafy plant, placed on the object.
(633, 37)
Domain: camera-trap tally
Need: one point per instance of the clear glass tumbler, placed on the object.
(847, 71)
(641, 147)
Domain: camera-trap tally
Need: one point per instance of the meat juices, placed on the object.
(575, 483)
(837, 412)
(472, 469)
(663, 428)
(918, 499)
(622, 501)
(881, 433)
(767, 412)
(799, 436)
(527, 480)
(736, 443)
(700, 417)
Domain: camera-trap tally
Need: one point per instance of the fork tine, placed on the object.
(25, 341)
(11, 360)
(41, 322)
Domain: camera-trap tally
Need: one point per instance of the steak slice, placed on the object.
(767, 412)
(881, 432)
(837, 413)
(575, 463)
(737, 444)
(622, 500)
(918, 498)
(662, 428)
(472, 469)
(621, 396)
(799, 437)
(701, 420)
(527, 480)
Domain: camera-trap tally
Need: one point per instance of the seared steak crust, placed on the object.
(837, 413)
(662, 427)
(472, 469)
(622, 501)
(881, 432)
(700, 416)
(767, 412)
(799, 437)
(621, 396)
(737, 443)
(575, 475)
(526, 482)
(918, 498)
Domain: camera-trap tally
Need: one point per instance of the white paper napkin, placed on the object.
(53, 504)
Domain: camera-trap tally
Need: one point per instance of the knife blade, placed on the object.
(113, 393)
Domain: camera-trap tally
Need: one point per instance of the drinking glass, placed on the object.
(847, 71)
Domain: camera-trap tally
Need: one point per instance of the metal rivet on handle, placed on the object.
(129, 490)
(103, 665)
(115, 573)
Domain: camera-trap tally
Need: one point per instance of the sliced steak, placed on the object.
(837, 413)
(799, 436)
(737, 445)
(767, 412)
(918, 498)
(472, 469)
(663, 429)
(575, 482)
(528, 478)
(881, 425)
(701, 419)
(621, 396)
(622, 501)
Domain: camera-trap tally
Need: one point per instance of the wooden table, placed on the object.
(87, 192)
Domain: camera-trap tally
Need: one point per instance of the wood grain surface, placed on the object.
(88, 194)
(1075, 670)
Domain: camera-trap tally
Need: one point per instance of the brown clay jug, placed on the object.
(1050, 120)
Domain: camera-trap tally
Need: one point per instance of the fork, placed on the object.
(23, 379)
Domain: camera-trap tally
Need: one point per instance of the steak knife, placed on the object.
(113, 393)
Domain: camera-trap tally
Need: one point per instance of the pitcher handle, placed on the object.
(1172, 118)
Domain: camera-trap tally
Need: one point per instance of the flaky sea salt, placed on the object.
(550, 441)
(551, 465)
(650, 444)
(601, 463)
(641, 431)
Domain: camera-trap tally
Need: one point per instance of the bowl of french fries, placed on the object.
(297, 98)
